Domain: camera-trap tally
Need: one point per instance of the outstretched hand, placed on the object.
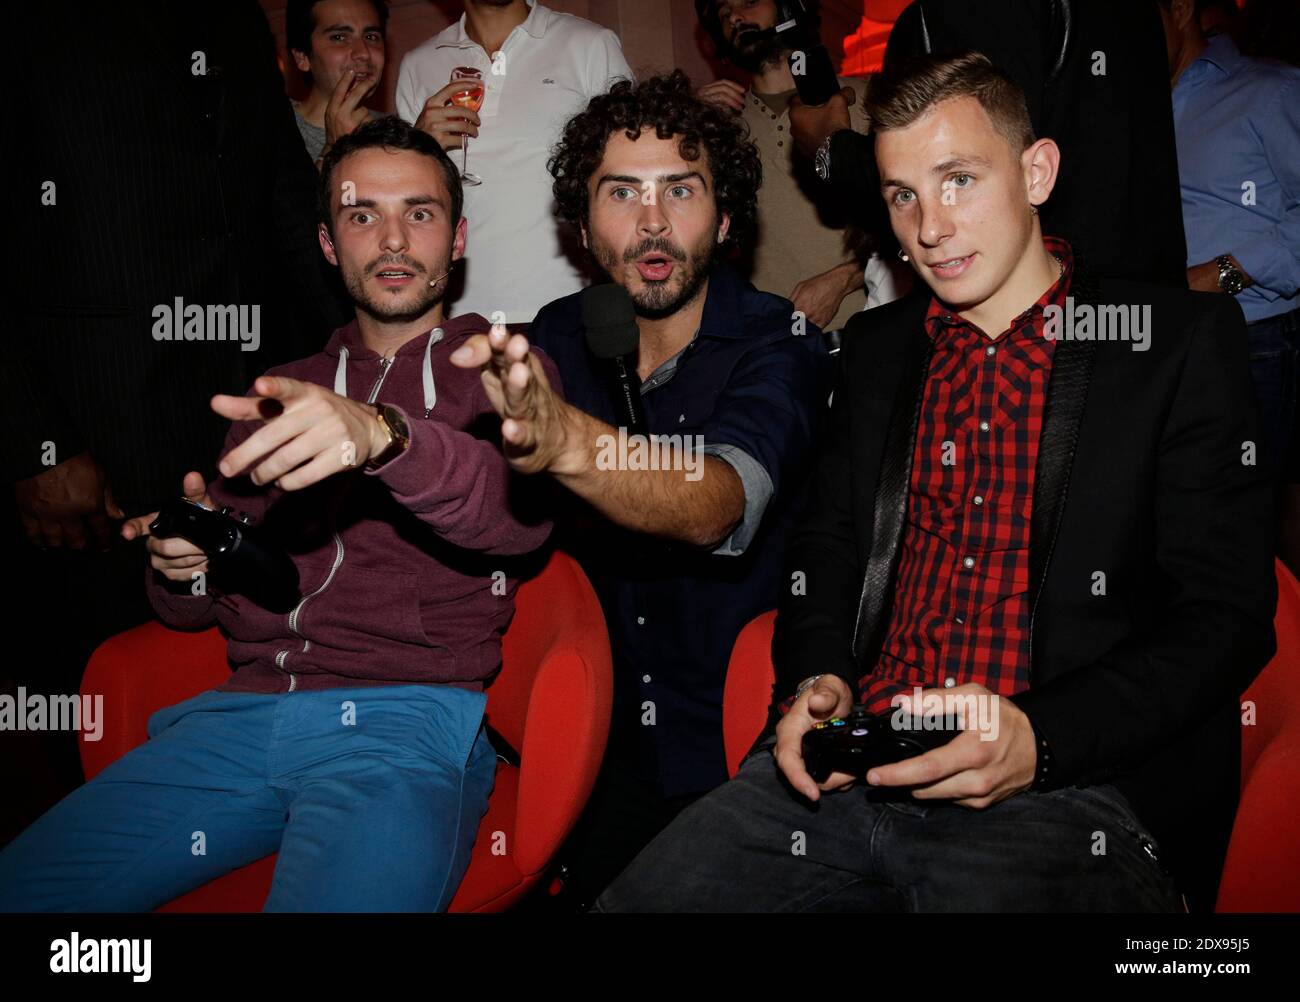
(310, 433)
(536, 422)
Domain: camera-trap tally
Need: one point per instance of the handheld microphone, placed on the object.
(613, 337)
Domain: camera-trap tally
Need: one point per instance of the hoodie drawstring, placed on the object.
(430, 391)
(341, 374)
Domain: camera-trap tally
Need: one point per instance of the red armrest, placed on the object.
(138, 673)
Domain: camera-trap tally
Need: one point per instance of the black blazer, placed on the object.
(1140, 475)
(168, 184)
(1115, 128)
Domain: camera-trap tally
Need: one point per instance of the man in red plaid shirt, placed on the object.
(1039, 510)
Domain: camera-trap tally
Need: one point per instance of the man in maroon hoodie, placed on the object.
(364, 462)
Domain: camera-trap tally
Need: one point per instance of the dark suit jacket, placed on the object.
(1140, 475)
(1114, 121)
(167, 184)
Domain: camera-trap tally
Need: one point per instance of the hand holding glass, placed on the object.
(472, 99)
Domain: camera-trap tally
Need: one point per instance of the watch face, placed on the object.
(1231, 279)
(397, 423)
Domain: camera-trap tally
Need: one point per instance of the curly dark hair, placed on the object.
(668, 104)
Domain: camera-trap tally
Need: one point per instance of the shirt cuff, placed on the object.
(1265, 261)
(757, 485)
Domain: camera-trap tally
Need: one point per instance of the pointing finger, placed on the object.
(241, 408)
(518, 383)
(498, 339)
(473, 353)
(280, 388)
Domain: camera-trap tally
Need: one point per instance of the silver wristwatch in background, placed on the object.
(1231, 280)
(822, 159)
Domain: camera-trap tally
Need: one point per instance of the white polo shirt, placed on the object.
(550, 66)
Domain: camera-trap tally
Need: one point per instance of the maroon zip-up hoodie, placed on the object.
(405, 572)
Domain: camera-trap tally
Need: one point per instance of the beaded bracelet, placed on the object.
(1044, 771)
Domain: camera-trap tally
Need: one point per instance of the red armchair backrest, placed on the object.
(1274, 697)
(1261, 872)
(748, 691)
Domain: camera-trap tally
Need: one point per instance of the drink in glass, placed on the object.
(471, 98)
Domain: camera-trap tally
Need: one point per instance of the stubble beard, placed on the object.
(657, 300)
(386, 309)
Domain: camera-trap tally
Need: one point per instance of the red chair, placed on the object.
(1262, 870)
(747, 694)
(551, 701)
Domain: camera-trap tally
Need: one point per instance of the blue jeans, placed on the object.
(754, 845)
(372, 797)
(1274, 347)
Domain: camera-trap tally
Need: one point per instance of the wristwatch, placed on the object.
(806, 684)
(399, 436)
(1231, 280)
(822, 158)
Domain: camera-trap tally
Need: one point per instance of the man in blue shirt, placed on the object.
(1237, 122)
(683, 554)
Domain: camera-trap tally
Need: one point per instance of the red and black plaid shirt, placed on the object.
(961, 604)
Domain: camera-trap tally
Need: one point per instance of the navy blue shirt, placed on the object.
(755, 390)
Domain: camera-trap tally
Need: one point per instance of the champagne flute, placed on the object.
(472, 98)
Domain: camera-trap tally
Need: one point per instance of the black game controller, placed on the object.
(856, 743)
(241, 559)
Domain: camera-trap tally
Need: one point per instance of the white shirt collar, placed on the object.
(535, 24)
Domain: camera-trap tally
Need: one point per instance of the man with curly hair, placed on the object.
(685, 550)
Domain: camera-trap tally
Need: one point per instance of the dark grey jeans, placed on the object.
(754, 845)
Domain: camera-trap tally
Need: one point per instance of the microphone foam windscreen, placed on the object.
(610, 321)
